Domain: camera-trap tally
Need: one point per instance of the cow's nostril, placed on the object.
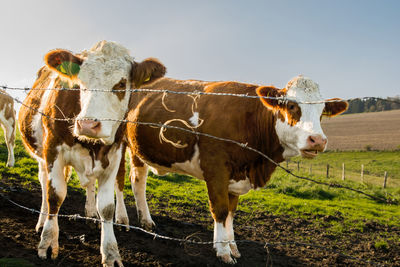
(96, 125)
(312, 140)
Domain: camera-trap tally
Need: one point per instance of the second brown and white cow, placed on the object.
(280, 129)
(57, 145)
(8, 123)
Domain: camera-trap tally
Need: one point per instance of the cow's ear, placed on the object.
(336, 107)
(269, 91)
(147, 71)
(63, 62)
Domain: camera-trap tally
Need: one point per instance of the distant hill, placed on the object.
(373, 105)
(377, 130)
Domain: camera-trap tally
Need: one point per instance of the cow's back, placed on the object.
(29, 111)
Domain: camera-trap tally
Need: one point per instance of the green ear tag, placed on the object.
(69, 68)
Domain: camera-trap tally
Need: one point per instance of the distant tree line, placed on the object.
(373, 104)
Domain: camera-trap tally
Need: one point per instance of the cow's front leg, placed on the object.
(43, 183)
(138, 182)
(56, 192)
(219, 207)
(106, 208)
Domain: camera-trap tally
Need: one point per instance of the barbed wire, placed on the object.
(265, 244)
(192, 131)
(201, 93)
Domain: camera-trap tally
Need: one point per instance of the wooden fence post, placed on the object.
(298, 166)
(327, 170)
(362, 173)
(343, 174)
(385, 180)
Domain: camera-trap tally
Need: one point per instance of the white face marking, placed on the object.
(105, 66)
(194, 120)
(294, 138)
(240, 187)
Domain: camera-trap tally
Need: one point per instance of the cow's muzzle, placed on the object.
(89, 128)
(315, 144)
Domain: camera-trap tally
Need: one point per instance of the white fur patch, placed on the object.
(189, 167)
(194, 120)
(240, 187)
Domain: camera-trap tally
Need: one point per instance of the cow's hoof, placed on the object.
(123, 220)
(148, 225)
(111, 264)
(111, 256)
(234, 251)
(54, 253)
(38, 228)
(226, 258)
(42, 253)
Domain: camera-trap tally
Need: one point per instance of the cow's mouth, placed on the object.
(308, 154)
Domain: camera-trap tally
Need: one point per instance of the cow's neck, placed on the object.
(261, 169)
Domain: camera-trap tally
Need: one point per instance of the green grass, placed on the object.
(10, 262)
(178, 195)
(375, 164)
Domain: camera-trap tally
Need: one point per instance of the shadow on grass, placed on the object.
(172, 178)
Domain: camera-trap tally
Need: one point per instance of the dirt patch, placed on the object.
(80, 241)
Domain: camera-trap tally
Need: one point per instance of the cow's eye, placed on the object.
(291, 106)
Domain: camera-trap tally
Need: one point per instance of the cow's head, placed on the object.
(298, 124)
(106, 66)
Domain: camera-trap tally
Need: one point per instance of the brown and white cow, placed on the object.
(8, 122)
(60, 144)
(280, 129)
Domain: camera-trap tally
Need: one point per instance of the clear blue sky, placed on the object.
(350, 47)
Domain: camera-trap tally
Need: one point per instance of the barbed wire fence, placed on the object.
(192, 131)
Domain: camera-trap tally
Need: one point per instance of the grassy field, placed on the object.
(283, 195)
(376, 130)
(336, 212)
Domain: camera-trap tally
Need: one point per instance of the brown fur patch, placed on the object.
(120, 86)
(147, 71)
(335, 108)
(53, 200)
(33, 100)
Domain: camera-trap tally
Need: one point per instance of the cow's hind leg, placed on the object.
(138, 182)
(43, 183)
(233, 200)
(56, 192)
(9, 136)
(90, 204)
(121, 216)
